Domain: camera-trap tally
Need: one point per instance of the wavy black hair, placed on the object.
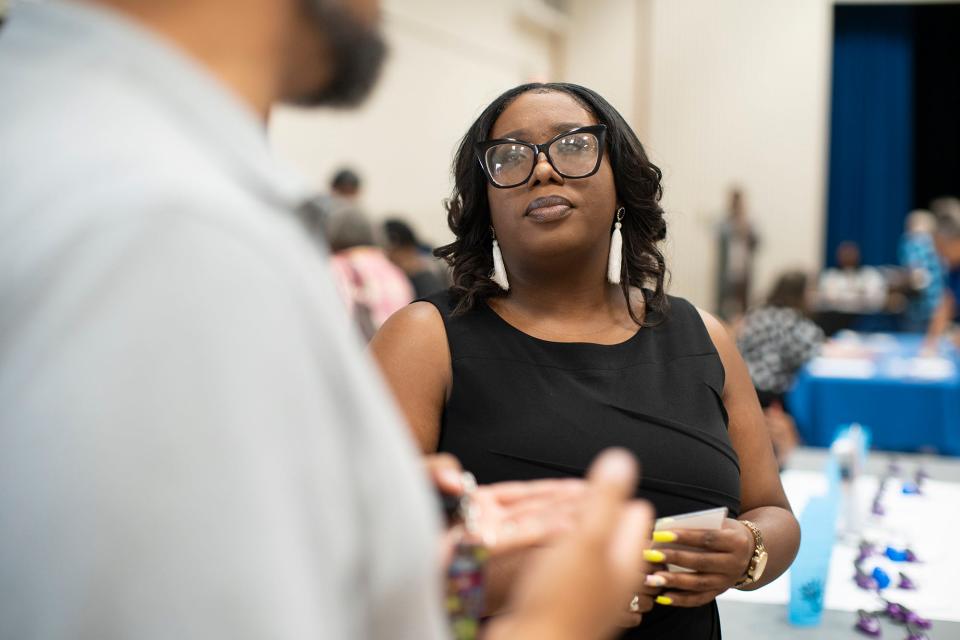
(636, 179)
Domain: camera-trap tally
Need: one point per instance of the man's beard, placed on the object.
(356, 50)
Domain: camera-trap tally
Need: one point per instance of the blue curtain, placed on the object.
(871, 130)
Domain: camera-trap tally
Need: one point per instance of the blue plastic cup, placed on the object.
(808, 574)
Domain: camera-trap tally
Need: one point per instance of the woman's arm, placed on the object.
(411, 349)
(939, 323)
(723, 556)
(762, 499)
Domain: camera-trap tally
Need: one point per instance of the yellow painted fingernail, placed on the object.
(664, 536)
(664, 600)
(652, 555)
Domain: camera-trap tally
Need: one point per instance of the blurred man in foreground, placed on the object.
(190, 444)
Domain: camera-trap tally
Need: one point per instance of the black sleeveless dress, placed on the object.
(524, 408)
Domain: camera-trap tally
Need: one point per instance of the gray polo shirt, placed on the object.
(192, 444)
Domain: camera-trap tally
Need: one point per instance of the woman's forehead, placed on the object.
(540, 116)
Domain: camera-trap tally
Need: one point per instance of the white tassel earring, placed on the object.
(499, 274)
(615, 261)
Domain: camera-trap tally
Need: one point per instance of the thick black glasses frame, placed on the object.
(480, 149)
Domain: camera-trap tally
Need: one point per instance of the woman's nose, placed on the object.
(543, 172)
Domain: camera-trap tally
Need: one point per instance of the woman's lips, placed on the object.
(549, 213)
(548, 209)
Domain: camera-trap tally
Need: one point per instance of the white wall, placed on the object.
(739, 93)
(447, 61)
(601, 51)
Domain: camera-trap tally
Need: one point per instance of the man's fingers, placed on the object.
(445, 470)
(505, 529)
(612, 479)
(525, 532)
(508, 493)
(539, 507)
(635, 524)
(521, 514)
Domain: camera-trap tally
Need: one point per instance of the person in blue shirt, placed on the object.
(918, 253)
(947, 212)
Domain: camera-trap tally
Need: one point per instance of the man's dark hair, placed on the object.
(345, 180)
(399, 234)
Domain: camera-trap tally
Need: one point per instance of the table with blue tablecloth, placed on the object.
(910, 403)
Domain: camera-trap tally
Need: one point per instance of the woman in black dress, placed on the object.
(558, 341)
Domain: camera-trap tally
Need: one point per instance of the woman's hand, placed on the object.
(720, 560)
(581, 586)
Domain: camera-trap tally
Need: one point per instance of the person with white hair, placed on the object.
(918, 254)
(947, 210)
(372, 287)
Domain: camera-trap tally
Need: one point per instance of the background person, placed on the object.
(918, 254)
(407, 252)
(737, 243)
(372, 287)
(776, 339)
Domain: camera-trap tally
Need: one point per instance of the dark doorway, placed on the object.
(936, 93)
(894, 122)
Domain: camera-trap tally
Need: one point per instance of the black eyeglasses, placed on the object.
(575, 154)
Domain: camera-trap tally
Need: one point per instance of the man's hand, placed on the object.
(511, 515)
(580, 587)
